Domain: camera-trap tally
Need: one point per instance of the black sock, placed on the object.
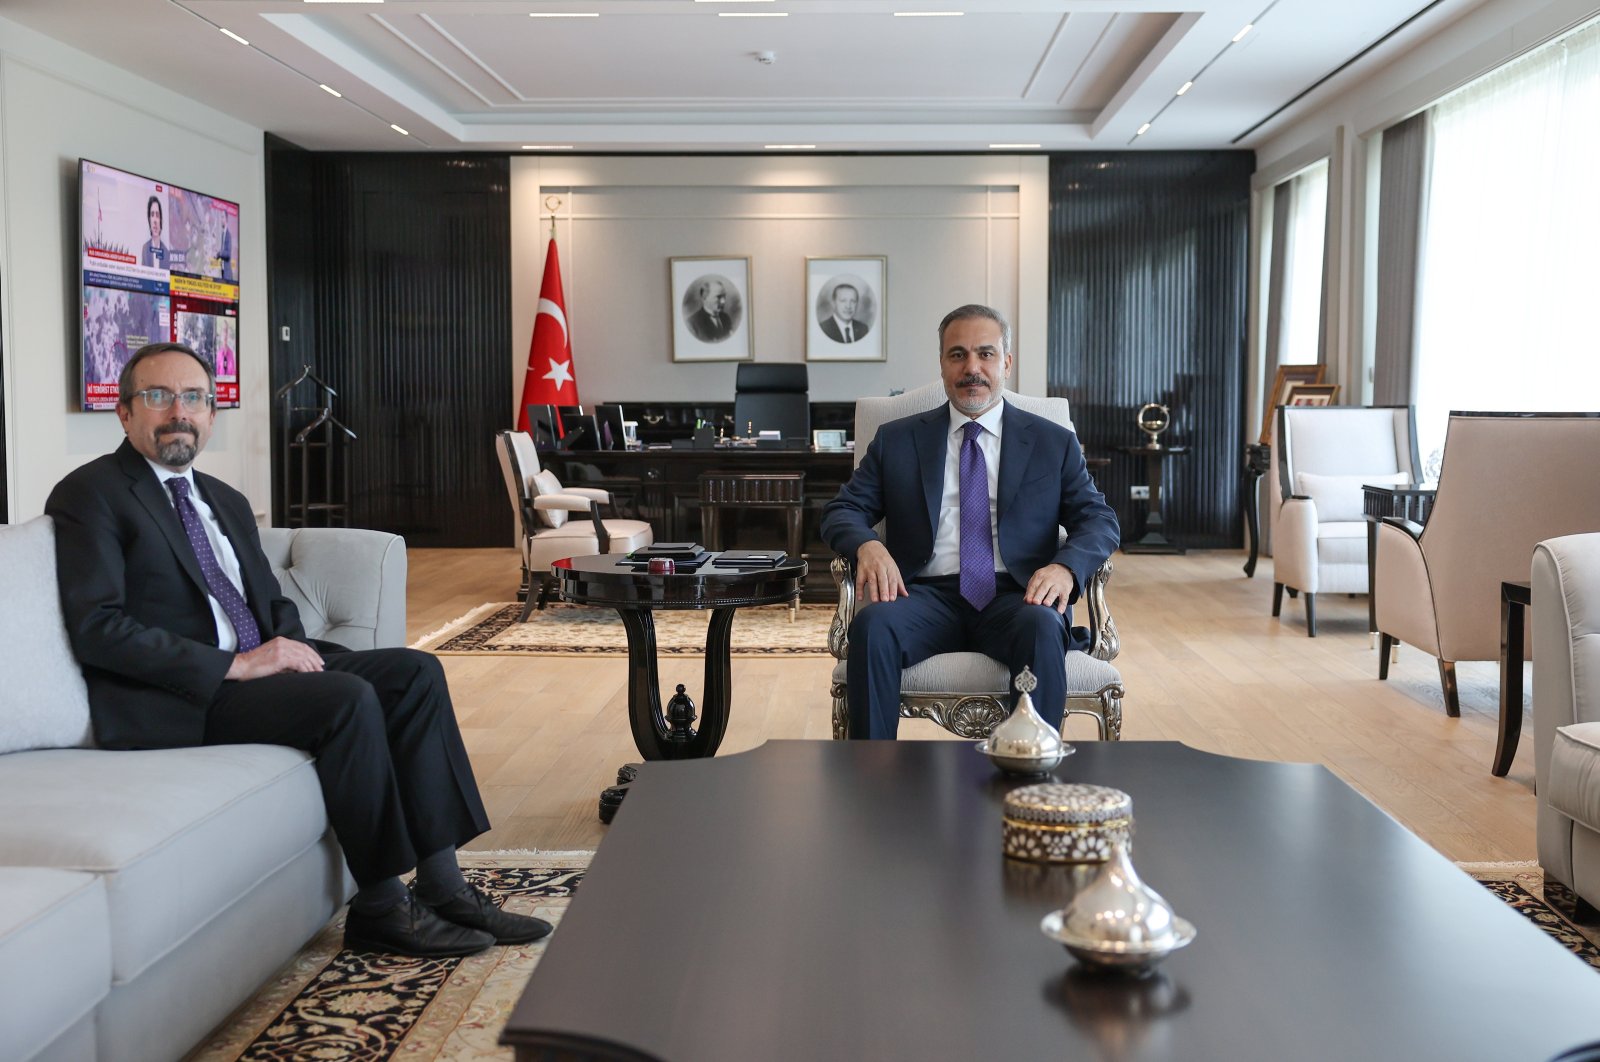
(439, 877)
(378, 898)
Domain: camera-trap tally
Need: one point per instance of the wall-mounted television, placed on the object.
(160, 263)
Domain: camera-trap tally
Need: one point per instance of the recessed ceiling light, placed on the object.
(752, 14)
(229, 33)
(546, 147)
(791, 147)
(929, 14)
(331, 91)
(1248, 26)
(563, 14)
(1187, 85)
(1143, 129)
(397, 129)
(1013, 145)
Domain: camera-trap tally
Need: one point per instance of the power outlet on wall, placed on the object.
(1141, 494)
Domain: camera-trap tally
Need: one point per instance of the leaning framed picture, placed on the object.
(1288, 376)
(712, 316)
(1313, 394)
(846, 309)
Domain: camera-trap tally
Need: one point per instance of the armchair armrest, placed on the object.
(844, 577)
(596, 494)
(1410, 527)
(574, 501)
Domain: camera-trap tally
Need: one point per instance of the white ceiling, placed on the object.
(674, 75)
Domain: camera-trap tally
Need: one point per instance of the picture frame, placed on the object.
(712, 312)
(1288, 376)
(846, 309)
(1312, 394)
(828, 438)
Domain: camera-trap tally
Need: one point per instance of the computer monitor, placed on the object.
(542, 423)
(609, 415)
(580, 430)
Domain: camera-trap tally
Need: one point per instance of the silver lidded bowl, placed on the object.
(1025, 743)
(1118, 922)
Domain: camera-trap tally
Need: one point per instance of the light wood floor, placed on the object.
(1203, 661)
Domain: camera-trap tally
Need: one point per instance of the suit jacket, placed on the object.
(1043, 486)
(152, 250)
(134, 599)
(707, 330)
(830, 328)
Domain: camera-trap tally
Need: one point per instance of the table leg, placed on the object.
(1251, 499)
(1511, 631)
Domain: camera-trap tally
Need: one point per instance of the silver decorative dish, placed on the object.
(1027, 764)
(1126, 956)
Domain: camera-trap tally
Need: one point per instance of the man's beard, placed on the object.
(177, 450)
(978, 404)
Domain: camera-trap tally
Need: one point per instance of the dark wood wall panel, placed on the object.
(1149, 260)
(394, 274)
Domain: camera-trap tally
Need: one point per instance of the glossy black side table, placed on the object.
(636, 594)
(1154, 539)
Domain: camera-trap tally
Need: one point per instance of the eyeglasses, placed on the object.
(161, 399)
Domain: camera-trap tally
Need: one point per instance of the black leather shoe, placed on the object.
(411, 928)
(472, 909)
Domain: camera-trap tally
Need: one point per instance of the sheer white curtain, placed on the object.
(1510, 273)
(1302, 282)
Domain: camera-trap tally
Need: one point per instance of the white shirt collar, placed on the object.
(990, 420)
(163, 473)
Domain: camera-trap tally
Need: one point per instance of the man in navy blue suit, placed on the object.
(973, 496)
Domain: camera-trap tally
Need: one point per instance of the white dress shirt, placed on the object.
(227, 559)
(947, 535)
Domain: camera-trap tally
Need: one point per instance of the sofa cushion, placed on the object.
(1575, 773)
(179, 834)
(55, 954)
(1339, 498)
(43, 701)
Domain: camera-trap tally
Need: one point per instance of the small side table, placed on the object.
(1257, 460)
(1514, 601)
(1154, 539)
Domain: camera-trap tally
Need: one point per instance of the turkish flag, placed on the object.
(550, 379)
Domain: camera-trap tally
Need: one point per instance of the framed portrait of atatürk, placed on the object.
(846, 310)
(711, 308)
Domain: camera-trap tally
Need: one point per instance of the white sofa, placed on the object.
(144, 895)
(1565, 584)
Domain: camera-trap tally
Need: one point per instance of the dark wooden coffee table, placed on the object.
(848, 900)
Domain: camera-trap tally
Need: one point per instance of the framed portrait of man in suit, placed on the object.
(846, 309)
(711, 308)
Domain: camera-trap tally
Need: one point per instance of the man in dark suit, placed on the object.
(185, 639)
(973, 497)
(154, 252)
(711, 322)
(842, 326)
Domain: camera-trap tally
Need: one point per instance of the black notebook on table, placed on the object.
(751, 558)
(669, 550)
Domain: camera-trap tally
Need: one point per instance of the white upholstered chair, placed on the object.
(968, 693)
(544, 532)
(1509, 481)
(1323, 457)
(1565, 583)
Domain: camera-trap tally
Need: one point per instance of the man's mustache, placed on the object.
(972, 381)
(177, 425)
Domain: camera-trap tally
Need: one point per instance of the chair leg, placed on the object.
(1111, 713)
(546, 589)
(1311, 615)
(841, 711)
(1385, 643)
(1584, 911)
(1293, 593)
(1277, 599)
(1452, 697)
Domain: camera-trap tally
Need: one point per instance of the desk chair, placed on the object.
(772, 398)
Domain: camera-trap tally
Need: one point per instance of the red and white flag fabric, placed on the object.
(550, 379)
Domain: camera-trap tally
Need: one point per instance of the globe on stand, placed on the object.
(1154, 418)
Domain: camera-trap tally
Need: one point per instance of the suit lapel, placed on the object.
(932, 450)
(146, 487)
(1016, 446)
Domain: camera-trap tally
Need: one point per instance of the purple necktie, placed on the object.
(977, 535)
(222, 588)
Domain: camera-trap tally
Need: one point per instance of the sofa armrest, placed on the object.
(349, 584)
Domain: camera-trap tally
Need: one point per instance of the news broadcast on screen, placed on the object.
(160, 263)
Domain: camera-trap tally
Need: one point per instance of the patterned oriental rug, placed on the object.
(327, 1003)
(563, 630)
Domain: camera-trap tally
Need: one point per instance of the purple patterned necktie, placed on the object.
(222, 588)
(977, 534)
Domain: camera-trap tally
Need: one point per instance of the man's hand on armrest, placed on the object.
(274, 658)
(877, 575)
(1052, 585)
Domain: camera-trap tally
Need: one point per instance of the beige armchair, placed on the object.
(1509, 481)
(969, 694)
(1566, 713)
(544, 533)
(1323, 457)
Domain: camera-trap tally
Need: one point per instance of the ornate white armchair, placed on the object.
(1323, 456)
(1509, 481)
(969, 694)
(544, 534)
